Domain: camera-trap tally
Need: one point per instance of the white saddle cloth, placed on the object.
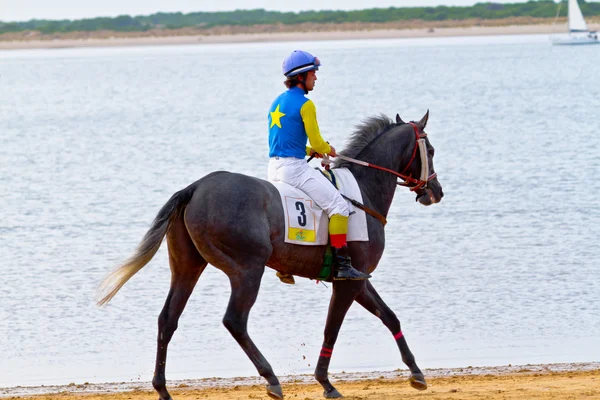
(307, 224)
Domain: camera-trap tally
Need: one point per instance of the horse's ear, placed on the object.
(399, 120)
(423, 121)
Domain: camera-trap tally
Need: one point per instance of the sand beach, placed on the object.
(531, 382)
(282, 33)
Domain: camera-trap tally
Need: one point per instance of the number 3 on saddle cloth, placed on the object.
(307, 224)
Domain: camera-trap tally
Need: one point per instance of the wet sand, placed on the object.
(531, 382)
(307, 32)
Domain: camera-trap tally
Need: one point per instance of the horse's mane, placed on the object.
(365, 133)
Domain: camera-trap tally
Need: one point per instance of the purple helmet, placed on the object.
(298, 62)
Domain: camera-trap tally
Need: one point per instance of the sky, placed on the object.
(24, 10)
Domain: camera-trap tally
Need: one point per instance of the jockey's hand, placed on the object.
(315, 154)
(332, 153)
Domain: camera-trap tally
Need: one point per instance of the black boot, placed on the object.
(343, 268)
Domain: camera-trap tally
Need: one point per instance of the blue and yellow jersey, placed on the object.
(293, 120)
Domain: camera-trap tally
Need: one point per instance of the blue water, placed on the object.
(505, 270)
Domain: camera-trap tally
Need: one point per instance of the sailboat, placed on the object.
(578, 30)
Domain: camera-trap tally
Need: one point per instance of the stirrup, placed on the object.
(286, 278)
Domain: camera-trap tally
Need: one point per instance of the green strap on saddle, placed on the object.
(326, 273)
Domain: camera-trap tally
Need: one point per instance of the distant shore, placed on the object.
(541, 382)
(281, 33)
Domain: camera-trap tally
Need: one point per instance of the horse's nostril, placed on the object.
(441, 193)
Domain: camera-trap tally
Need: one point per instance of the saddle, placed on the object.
(307, 224)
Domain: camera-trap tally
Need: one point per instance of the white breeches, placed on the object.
(299, 174)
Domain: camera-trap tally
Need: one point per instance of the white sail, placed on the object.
(576, 21)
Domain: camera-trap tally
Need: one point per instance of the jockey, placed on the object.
(293, 120)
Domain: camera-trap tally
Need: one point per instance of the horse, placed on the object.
(236, 223)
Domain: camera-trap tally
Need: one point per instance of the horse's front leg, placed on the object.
(370, 300)
(344, 293)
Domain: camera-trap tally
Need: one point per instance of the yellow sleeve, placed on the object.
(309, 117)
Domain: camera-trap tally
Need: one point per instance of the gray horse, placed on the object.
(235, 223)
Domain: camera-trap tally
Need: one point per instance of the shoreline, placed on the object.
(398, 376)
(227, 37)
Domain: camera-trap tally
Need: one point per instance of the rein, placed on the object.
(407, 180)
(418, 184)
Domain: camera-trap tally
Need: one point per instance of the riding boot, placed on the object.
(343, 268)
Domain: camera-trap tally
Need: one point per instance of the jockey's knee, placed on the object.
(339, 208)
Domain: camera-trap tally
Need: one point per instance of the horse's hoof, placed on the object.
(332, 394)
(164, 395)
(418, 382)
(275, 392)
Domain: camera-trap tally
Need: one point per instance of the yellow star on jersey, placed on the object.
(276, 117)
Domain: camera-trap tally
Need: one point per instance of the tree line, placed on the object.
(126, 23)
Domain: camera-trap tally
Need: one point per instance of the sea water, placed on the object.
(505, 270)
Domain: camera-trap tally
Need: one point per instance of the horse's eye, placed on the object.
(431, 153)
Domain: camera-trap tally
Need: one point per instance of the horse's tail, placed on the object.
(115, 280)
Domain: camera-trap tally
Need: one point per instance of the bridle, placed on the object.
(425, 177)
(408, 181)
(414, 184)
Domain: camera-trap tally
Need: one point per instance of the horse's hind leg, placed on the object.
(370, 300)
(245, 282)
(186, 266)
